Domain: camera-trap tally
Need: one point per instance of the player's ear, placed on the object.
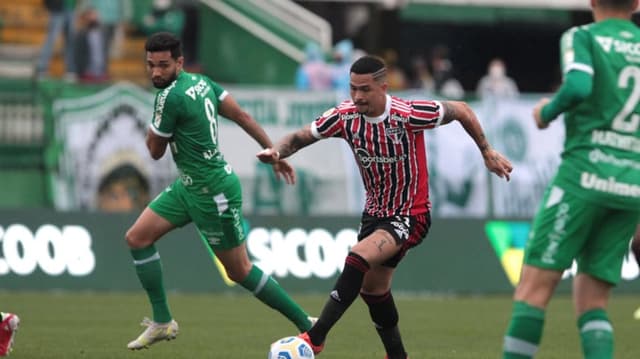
(180, 62)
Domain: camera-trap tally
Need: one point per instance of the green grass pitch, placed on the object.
(99, 325)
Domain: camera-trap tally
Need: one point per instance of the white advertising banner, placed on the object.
(534, 153)
(104, 163)
(103, 160)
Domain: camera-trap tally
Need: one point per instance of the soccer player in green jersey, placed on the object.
(592, 206)
(207, 192)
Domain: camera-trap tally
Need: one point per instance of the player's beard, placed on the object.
(362, 108)
(161, 83)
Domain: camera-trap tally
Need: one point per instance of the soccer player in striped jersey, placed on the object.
(592, 206)
(385, 134)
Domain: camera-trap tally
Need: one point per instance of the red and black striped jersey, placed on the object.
(390, 151)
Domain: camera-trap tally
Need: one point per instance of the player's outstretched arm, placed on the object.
(493, 160)
(288, 145)
(230, 109)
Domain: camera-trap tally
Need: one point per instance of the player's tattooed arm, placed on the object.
(460, 111)
(287, 146)
(293, 142)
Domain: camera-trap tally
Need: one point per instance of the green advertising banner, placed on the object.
(86, 251)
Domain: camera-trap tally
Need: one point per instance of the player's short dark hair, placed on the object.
(367, 64)
(164, 41)
(616, 4)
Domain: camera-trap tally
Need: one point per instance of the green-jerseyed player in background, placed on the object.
(591, 208)
(207, 192)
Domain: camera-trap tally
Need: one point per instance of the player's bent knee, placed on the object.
(136, 241)
(237, 273)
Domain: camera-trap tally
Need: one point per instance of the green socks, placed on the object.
(269, 292)
(596, 334)
(149, 270)
(524, 332)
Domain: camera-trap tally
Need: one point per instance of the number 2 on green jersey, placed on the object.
(622, 122)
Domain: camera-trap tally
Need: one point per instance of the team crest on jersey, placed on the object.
(395, 134)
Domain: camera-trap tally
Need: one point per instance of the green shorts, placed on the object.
(217, 213)
(567, 227)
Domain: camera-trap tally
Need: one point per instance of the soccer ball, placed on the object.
(290, 348)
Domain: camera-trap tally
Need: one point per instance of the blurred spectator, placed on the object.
(99, 23)
(496, 83)
(191, 35)
(90, 41)
(113, 15)
(315, 73)
(342, 59)
(61, 19)
(164, 16)
(443, 74)
(396, 78)
(422, 78)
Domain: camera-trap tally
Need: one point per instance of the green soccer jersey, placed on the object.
(186, 112)
(601, 157)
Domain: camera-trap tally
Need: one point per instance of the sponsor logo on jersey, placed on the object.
(186, 180)
(597, 156)
(209, 154)
(609, 44)
(350, 116)
(616, 140)
(160, 102)
(609, 185)
(399, 118)
(557, 234)
(366, 159)
(395, 134)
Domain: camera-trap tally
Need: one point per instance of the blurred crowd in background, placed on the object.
(93, 32)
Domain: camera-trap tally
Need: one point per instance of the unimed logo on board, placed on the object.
(508, 239)
(54, 250)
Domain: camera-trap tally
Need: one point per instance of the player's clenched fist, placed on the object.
(268, 155)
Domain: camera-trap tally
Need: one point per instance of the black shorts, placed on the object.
(407, 231)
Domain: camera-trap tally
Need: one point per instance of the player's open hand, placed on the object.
(283, 169)
(497, 163)
(268, 155)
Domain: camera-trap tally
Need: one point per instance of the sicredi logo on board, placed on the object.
(300, 253)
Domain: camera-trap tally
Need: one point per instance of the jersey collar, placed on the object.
(385, 114)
